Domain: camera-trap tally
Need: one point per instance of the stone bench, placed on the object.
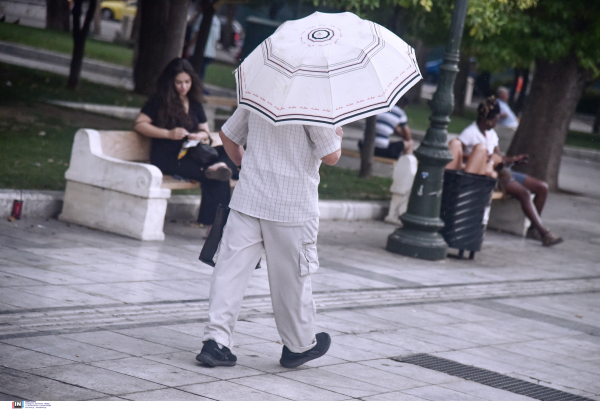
(111, 185)
(506, 215)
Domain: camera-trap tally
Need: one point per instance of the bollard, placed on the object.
(404, 175)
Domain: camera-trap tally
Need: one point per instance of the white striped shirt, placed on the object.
(280, 168)
(386, 123)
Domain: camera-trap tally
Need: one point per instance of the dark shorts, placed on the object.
(394, 150)
(518, 176)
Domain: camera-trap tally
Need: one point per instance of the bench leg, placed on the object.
(507, 215)
(115, 212)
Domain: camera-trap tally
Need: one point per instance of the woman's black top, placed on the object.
(166, 150)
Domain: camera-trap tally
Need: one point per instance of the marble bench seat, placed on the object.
(112, 187)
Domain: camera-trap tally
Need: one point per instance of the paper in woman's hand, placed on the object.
(189, 144)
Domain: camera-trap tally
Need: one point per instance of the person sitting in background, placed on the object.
(507, 116)
(394, 122)
(174, 113)
(476, 151)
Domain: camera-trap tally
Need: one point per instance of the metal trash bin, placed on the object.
(465, 197)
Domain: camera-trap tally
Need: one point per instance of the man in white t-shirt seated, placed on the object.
(507, 116)
(476, 151)
(394, 122)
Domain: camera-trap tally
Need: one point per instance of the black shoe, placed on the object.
(291, 359)
(222, 174)
(211, 355)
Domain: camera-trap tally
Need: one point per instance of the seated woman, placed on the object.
(476, 151)
(174, 113)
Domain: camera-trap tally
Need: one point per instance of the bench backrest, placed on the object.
(125, 145)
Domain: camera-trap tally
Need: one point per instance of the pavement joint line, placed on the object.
(538, 316)
(524, 288)
(359, 272)
(325, 302)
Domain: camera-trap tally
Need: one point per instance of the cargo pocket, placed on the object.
(309, 259)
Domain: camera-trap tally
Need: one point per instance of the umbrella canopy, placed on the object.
(326, 69)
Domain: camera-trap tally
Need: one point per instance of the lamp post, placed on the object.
(419, 237)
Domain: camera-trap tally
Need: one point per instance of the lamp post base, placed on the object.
(417, 244)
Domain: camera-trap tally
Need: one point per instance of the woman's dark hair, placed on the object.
(171, 112)
(489, 108)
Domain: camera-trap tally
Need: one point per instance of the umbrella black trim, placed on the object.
(298, 117)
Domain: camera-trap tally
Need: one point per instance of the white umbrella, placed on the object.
(326, 69)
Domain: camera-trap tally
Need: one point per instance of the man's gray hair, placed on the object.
(500, 90)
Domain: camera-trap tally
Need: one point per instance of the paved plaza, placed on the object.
(89, 315)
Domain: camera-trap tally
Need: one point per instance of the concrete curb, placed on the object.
(109, 110)
(53, 57)
(48, 203)
(591, 155)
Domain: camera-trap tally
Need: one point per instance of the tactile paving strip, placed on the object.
(489, 378)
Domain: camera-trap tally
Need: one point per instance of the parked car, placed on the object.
(116, 10)
(432, 71)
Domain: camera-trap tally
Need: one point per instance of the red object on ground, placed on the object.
(16, 210)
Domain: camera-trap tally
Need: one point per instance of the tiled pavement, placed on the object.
(87, 315)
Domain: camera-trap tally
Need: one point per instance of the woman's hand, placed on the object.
(178, 134)
(201, 136)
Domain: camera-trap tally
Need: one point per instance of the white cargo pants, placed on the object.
(291, 251)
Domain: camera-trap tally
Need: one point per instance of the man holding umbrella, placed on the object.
(274, 207)
(294, 92)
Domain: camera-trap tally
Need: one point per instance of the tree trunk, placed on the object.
(555, 91)
(134, 39)
(368, 148)
(596, 127)
(57, 15)
(97, 20)
(79, 36)
(421, 52)
(208, 11)
(161, 36)
(460, 84)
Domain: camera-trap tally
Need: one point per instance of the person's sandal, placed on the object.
(222, 174)
(551, 239)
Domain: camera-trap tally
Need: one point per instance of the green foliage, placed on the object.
(36, 139)
(498, 32)
(418, 118)
(550, 31)
(220, 75)
(30, 86)
(35, 152)
(583, 140)
(430, 21)
(343, 184)
(63, 42)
